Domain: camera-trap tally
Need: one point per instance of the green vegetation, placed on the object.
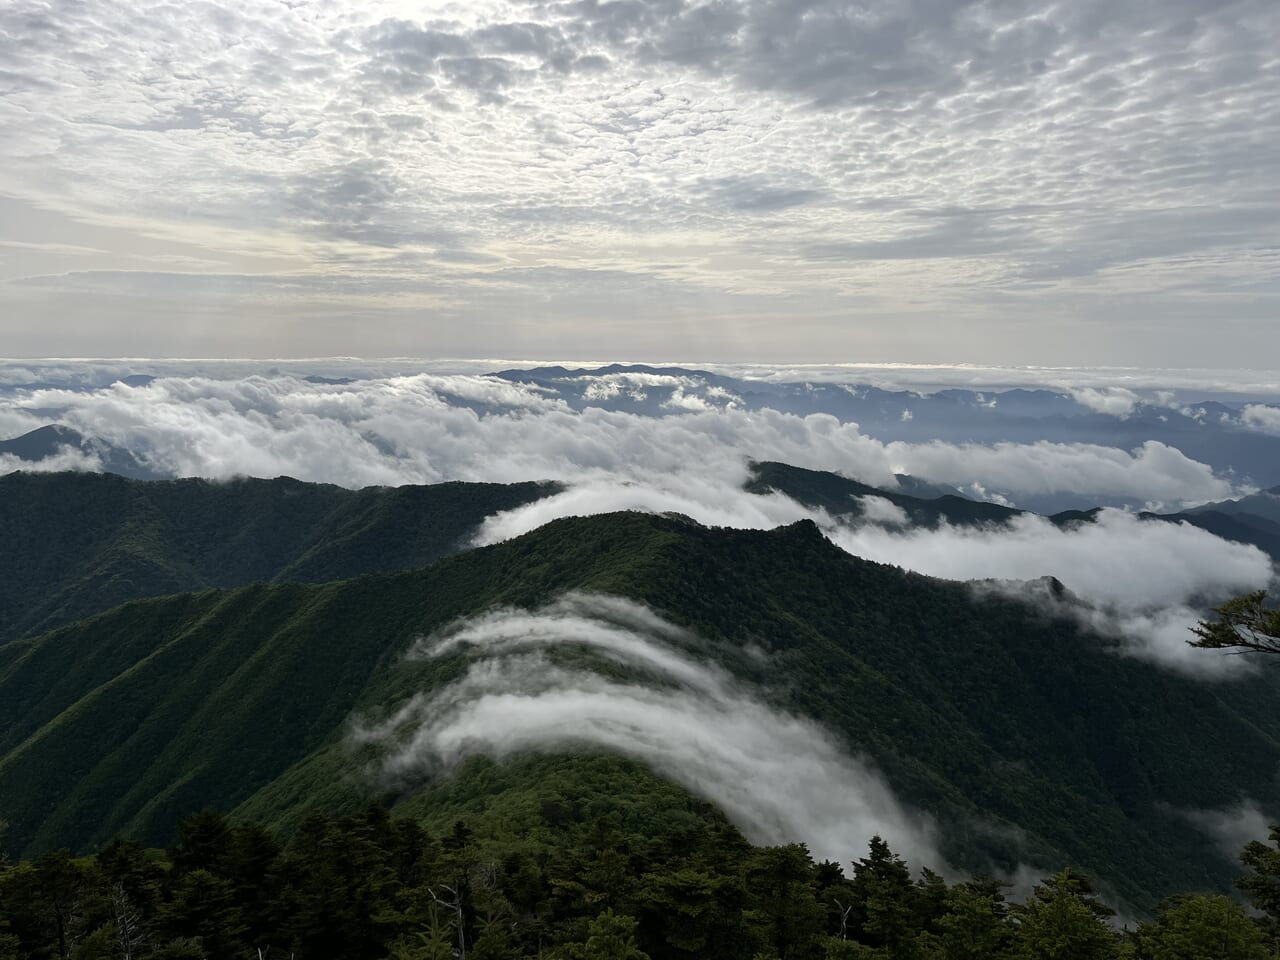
(79, 543)
(1024, 738)
(1242, 624)
(371, 886)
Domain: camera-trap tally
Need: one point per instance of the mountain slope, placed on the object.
(841, 497)
(48, 441)
(1026, 739)
(78, 543)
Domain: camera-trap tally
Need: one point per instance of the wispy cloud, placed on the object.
(779, 777)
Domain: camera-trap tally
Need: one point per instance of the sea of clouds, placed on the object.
(1142, 582)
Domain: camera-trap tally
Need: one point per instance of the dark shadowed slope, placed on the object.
(77, 543)
(1026, 739)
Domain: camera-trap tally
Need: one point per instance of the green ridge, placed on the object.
(1026, 739)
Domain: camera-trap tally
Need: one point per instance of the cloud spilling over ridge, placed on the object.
(1118, 560)
(780, 778)
(1139, 579)
(426, 428)
(431, 427)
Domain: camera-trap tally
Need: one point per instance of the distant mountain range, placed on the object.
(1210, 431)
(1227, 436)
(80, 543)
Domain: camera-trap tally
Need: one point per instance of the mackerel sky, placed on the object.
(1082, 182)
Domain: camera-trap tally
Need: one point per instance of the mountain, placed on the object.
(78, 543)
(1265, 505)
(48, 441)
(1209, 431)
(1026, 739)
(1238, 526)
(842, 497)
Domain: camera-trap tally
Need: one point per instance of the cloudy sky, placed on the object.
(1011, 181)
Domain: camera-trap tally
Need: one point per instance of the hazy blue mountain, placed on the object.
(45, 442)
(1212, 432)
(1264, 505)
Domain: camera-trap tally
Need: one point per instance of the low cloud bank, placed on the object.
(780, 778)
(1231, 828)
(426, 428)
(66, 458)
(1140, 581)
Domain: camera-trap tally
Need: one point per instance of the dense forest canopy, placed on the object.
(370, 886)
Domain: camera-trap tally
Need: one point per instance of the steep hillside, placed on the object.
(78, 543)
(1026, 739)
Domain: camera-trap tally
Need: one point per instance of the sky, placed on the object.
(930, 181)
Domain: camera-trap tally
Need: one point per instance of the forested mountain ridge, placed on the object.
(842, 497)
(79, 543)
(1027, 739)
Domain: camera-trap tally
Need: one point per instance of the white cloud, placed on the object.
(780, 778)
(1116, 401)
(1145, 578)
(1117, 560)
(1139, 580)
(1153, 473)
(430, 427)
(1232, 828)
(66, 458)
(711, 503)
(1262, 418)
(883, 512)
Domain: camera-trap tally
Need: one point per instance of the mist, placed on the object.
(427, 428)
(778, 777)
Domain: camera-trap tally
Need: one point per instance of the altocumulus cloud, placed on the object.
(768, 167)
(779, 777)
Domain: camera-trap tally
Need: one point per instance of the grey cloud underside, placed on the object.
(890, 178)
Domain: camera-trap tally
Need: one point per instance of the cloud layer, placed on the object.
(1140, 581)
(778, 777)
(784, 178)
(426, 428)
